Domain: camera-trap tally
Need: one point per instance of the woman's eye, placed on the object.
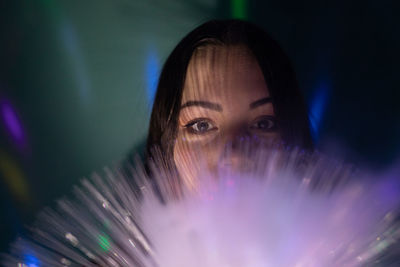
(265, 123)
(200, 126)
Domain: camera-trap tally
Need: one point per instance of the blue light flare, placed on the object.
(30, 260)
(318, 107)
(152, 72)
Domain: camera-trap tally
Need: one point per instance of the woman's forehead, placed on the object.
(217, 71)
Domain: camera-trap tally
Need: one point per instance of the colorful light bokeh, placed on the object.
(69, 40)
(239, 9)
(30, 261)
(317, 108)
(104, 242)
(14, 177)
(152, 72)
(12, 123)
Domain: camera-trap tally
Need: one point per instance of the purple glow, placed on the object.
(12, 122)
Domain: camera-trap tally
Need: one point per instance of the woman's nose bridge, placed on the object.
(237, 136)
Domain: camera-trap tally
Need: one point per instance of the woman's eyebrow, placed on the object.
(203, 104)
(260, 102)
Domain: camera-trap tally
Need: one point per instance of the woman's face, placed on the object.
(225, 103)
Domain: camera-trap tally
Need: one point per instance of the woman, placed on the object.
(225, 82)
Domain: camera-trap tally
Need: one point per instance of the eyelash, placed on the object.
(272, 126)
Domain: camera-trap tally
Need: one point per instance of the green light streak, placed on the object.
(239, 9)
(104, 242)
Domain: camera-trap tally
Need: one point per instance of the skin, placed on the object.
(225, 103)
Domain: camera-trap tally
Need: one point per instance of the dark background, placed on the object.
(77, 80)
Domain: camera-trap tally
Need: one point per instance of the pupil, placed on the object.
(203, 126)
(262, 124)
